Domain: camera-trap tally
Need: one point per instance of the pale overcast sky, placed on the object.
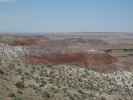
(66, 15)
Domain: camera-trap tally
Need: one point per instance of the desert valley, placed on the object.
(66, 66)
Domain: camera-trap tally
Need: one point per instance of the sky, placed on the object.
(66, 15)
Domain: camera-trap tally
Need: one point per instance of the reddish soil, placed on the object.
(57, 58)
(92, 61)
(27, 41)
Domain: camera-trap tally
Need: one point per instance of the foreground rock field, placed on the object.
(62, 82)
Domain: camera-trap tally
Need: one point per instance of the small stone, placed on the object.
(1, 72)
(20, 85)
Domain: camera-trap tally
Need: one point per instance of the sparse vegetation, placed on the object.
(7, 39)
(26, 81)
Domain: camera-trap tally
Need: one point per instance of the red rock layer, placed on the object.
(82, 59)
(29, 41)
